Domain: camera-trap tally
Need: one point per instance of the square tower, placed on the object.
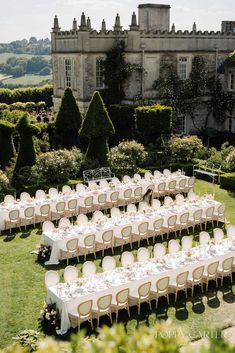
(154, 17)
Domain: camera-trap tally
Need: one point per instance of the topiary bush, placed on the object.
(184, 149)
(127, 157)
(26, 154)
(123, 119)
(97, 126)
(68, 121)
(7, 148)
(56, 167)
(153, 121)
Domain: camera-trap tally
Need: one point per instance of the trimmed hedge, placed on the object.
(35, 94)
(123, 118)
(187, 168)
(7, 148)
(227, 181)
(153, 121)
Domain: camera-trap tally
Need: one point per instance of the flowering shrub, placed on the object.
(28, 339)
(50, 316)
(44, 253)
(4, 182)
(56, 166)
(230, 160)
(184, 149)
(127, 157)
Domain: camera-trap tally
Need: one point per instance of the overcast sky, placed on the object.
(24, 18)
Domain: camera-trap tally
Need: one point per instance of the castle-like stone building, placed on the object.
(77, 55)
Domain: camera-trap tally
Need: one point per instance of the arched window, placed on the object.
(99, 73)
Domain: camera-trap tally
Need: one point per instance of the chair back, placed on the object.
(108, 263)
(127, 193)
(172, 185)
(138, 191)
(88, 202)
(221, 209)
(137, 177)
(97, 216)
(159, 251)
(29, 212)
(198, 273)
(114, 196)
(158, 224)
(231, 231)
(72, 204)
(82, 219)
(191, 181)
(60, 206)
(14, 215)
(227, 264)
(197, 215)
(218, 235)
(161, 186)
(143, 206)
(126, 179)
(104, 184)
(115, 181)
(84, 309)
(182, 183)
(126, 232)
(40, 194)
(156, 203)
(104, 302)
(184, 218)
(192, 196)
(88, 269)
(212, 268)
(45, 209)
(173, 246)
(179, 199)
(166, 172)
(204, 238)
(102, 198)
(52, 192)
(89, 240)
(127, 259)
(131, 208)
(162, 284)
(148, 175)
(171, 221)
(24, 196)
(182, 278)
(144, 289)
(72, 244)
(64, 223)
(66, 189)
(210, 211)
(143, 227)
(115, 212)
(70, 274)
(122, 296)
(157, 174)
(51, 279)
(80, 187)
(9, 199)
(143, 255)
(48, 226)
(187, 243)
(168, 201)
(107, 236)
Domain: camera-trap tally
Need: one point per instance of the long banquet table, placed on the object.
(81, 195)
(68, 296)
(57, 239)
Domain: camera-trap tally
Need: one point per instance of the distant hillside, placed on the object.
(32, 46)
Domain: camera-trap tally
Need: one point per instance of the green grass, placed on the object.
(22, 290)
(27, 80)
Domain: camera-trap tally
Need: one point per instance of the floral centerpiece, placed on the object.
(44, 253)
(50, 316)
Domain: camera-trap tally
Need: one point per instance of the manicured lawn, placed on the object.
(22, 290)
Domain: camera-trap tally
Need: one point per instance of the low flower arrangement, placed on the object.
(50, 316)
(44, 253)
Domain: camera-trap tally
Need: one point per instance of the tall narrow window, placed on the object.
(181, 124)
(99, 73)
(68, 72)
(230, 123)
(183, 68)
(231, 81)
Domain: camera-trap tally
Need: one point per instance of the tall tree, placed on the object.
(7, 148)
(97, 126)
(68, 121)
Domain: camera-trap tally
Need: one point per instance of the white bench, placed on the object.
(213, 172)
(97, 174)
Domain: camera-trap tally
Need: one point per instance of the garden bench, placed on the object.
(98, 174)
(208, 168)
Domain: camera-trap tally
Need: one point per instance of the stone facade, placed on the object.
(150, 43)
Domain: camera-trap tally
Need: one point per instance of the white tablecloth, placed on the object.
(58, 238)
(80, 196)
(67, 297)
